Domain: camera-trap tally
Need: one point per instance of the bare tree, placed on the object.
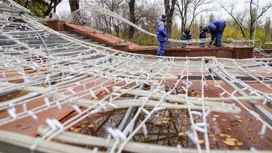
(144, 15)
(253, 15)
(202, 20)
(196, 4)
(132, 18)
(238, 18)
(211, 17)
(107, 23)
(182, 7)
(53, 5)
(169, 8)
(188, 10)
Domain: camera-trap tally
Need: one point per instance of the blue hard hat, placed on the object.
(163, 18)
(187, 31)
(206, 29)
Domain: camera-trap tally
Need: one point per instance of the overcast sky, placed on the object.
(241, 6)
(219, 13)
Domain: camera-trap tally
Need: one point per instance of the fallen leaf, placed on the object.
(165, 121)
(77, 130)
(228, 136)
(229, 143)
(90, 126)
(239, 143)
(237, 116)
(200, 141)
(231, 139)
(181, 134)
(215, 115)
(224, 120)
(222, 135)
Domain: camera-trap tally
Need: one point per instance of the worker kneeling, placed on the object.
(186, 35)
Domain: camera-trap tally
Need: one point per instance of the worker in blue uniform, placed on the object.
(202, 36)
(216, 28)
(161, 35)
(186, 35)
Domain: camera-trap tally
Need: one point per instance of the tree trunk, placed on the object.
(132, 18)
(169, 12)
(74, 5)
(26, 4)
(251, 19)
(49, 8)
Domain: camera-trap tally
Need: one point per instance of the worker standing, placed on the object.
(161, 35)
(202, 36)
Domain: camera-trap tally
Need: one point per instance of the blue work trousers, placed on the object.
(161, 48)
(218, 39)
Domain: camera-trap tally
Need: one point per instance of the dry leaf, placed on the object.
(239, 143)
(231, 139)
(200, 141)
(228, 136)
(215, 115)
(77, 129)
(237, 116)
(181, 134)
(222, 135)
(229, 143)
(164, 121)
(224, 120)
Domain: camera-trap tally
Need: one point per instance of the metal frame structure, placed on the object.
(62, 71)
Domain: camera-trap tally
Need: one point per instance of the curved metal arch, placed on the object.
(115, 15)
(245, 41)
